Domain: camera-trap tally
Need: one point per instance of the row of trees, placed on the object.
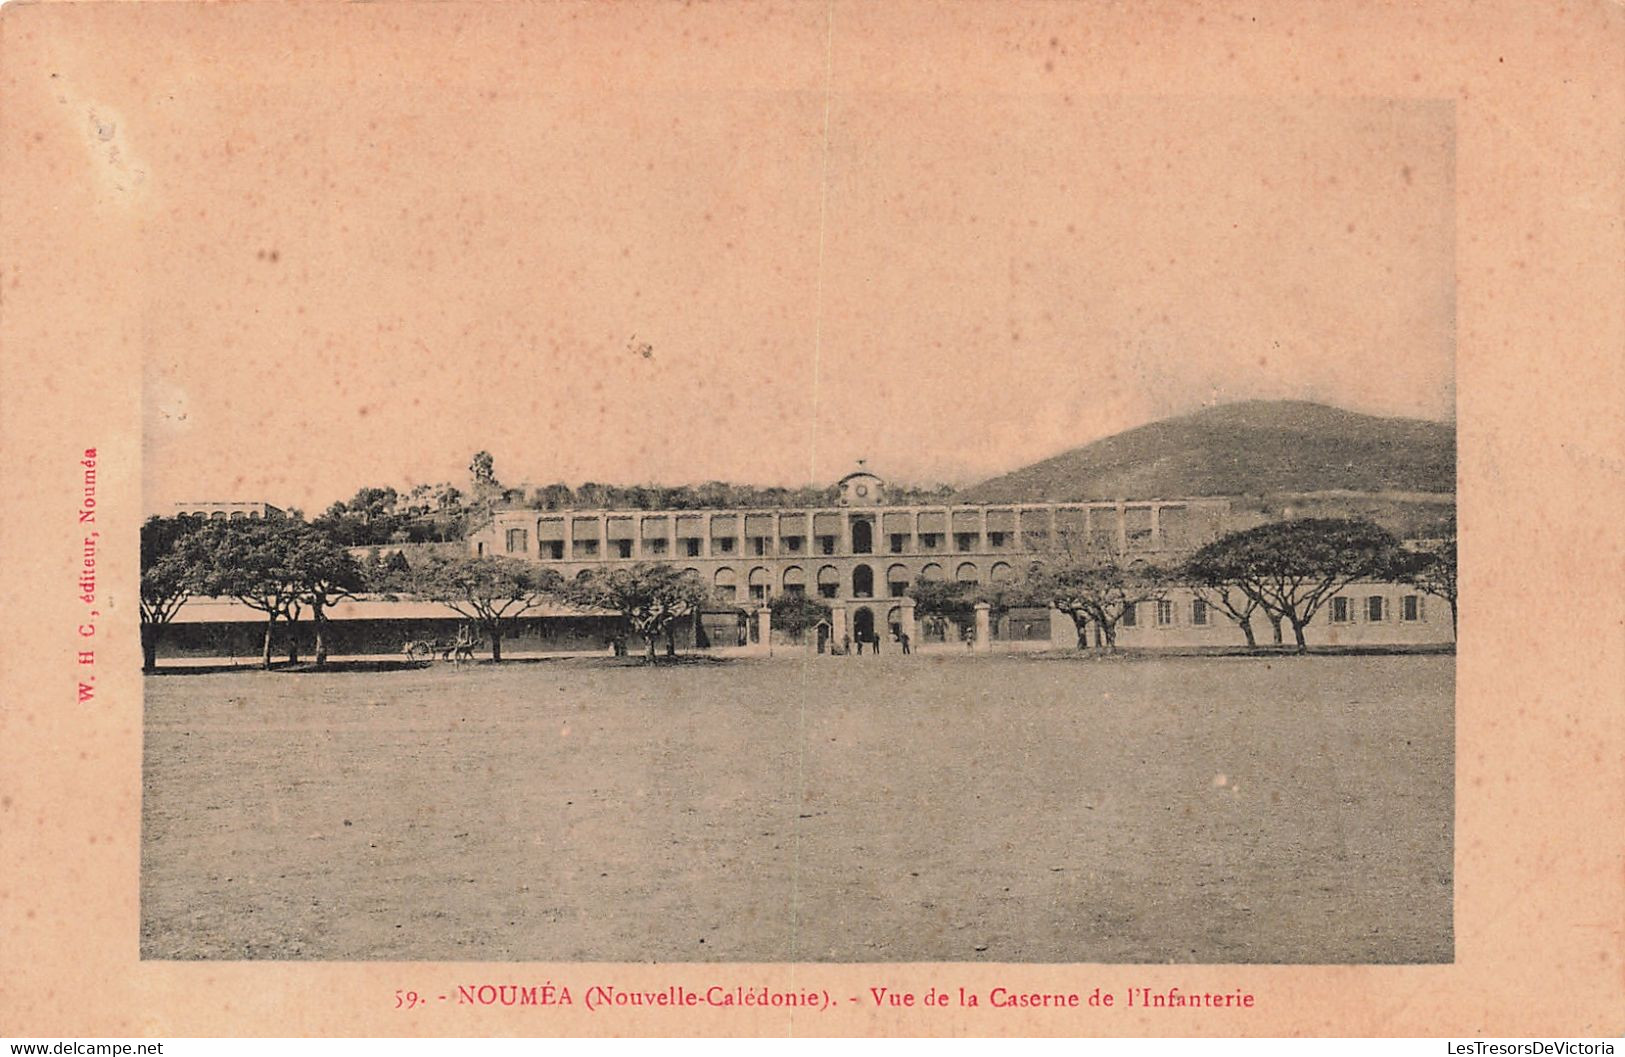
(712, 495)
(287, 568)
(1289, 570)
(279, 567)
(427, 513)
(1286, 571)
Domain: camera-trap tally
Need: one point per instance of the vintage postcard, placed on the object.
(816, 518)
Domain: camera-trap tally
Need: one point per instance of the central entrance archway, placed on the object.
(863, 625)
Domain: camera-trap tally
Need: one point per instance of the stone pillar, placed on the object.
(603, 537)
(705, 535)
(739, 545)
(764, 629)
(1063, 634)
(984, 628)
(671, 536)
(1156, 526)
(838, 629)
(905, 617)
(1122, 527)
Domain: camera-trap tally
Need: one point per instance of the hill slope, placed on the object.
(1258, 447)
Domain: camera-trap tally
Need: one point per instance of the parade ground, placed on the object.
(934, 808)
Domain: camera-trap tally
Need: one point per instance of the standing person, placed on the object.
(846, 643)
(874, 639)
(902, 637)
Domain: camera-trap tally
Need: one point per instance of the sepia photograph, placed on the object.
(810, 519)
(776, 528)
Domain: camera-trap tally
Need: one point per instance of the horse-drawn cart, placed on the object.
(456, 650)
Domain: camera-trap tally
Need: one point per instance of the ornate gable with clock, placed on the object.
(861, 488)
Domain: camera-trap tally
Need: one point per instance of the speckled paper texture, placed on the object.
(307, 218)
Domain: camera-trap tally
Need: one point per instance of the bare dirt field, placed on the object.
(947, 808)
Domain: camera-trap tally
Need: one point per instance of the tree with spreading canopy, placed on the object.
(168, 578)
(491, 592)
(957, 600)
(1095, 588)
(257, 563)
(1293, 568)
(945, 600)
(795, 614)
(328, 575)
(1431, 568)
(650, 596)
(1212, 579)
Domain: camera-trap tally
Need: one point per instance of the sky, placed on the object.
(602, 255)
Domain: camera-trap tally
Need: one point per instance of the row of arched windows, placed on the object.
(828, 579)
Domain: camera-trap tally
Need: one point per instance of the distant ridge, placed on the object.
(1256, 447)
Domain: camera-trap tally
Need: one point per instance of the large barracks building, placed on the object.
(861, 555)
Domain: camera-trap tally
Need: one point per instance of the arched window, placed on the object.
(829, 582)
(1001, 573)
(726, 584)
(966, 573)
(932, 572)
(863, 582)
(863, 540)
(897, 580)
(760, 582)
(795, 581)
